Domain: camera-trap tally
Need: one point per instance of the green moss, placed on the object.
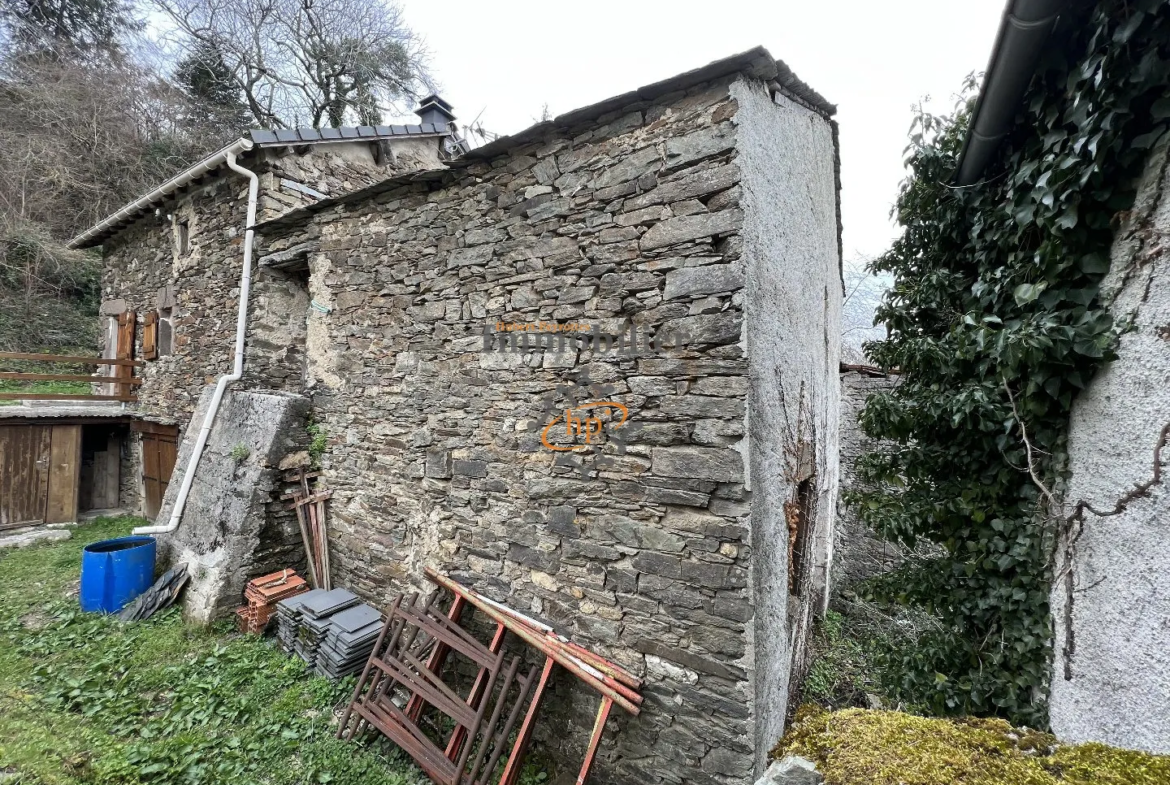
(861, 747)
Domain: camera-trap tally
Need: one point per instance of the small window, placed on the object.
(184, 238)
(799, 514)
(165, 332)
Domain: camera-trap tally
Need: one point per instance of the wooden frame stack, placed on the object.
(402, 680)
(310, 509)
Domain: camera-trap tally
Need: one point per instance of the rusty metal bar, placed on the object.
(501, 738)
(505, 686)
(594, 739)
(357, 688)
(438, 657)
(516, 757)
(589, 675)
(458, 737)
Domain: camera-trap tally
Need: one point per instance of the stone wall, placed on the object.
(291, 180)
(435, 456)
(144, 270)
(858, 553)
(144, 258)
(1111, 680)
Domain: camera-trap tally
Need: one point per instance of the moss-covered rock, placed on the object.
(861, 747)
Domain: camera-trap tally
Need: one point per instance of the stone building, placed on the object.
(412, 315)
(858, 552)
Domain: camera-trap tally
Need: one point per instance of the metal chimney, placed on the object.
(434, 109)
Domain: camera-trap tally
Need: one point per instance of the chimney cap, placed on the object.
(434, 104)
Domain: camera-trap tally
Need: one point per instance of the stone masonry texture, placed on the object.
(708, 210)
(858, 552)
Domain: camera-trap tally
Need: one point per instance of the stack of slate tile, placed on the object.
(314, 622)
(288, 618)
(263, 594)
(348, 641)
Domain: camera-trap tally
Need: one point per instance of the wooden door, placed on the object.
(24, 474)
(101, 464)
(64, 473)
(39, 467)
(160, 448)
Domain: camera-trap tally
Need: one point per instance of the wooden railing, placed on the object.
(122, 379)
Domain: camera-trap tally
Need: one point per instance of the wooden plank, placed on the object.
(60, 377)
(113, 469)
(42, 456)
(127, 322)
(24, 474)
(104, 482)
(64, 472)
(62, 397)
(145, 426)
(168, 453)
(150, 475)
(62, 358)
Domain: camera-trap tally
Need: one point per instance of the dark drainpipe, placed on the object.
(1025, 28)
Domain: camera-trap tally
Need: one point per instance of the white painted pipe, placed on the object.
(237, 366)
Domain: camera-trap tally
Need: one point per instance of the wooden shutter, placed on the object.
(126, 324)
(150, 335)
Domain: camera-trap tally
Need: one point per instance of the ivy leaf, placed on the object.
(1027, 292)
(1128, 28)
(1095, 263)
(1161, 109)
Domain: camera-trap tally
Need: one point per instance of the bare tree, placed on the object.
(863, 293)
(78, 142)
(306, 61)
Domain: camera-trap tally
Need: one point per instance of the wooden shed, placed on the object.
(57, 462)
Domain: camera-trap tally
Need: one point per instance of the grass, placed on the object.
(29, 388)
(851, 650)
(36, 366)
(84, 699)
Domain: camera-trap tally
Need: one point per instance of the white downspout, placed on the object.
(237, 366)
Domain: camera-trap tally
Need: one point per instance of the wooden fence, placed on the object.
(122, 381)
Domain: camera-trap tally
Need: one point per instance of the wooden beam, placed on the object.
(63, 377)
(64, 358)
(61, 397)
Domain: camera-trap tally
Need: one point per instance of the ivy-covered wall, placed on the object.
(997, 323)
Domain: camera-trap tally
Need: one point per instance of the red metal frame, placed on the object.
(395, 666)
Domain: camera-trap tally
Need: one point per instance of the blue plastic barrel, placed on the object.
(114, 572)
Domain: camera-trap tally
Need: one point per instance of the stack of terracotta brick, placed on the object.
(263, 594)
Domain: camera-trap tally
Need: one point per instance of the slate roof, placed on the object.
(757, 63)
(282, 137)
(259, 138)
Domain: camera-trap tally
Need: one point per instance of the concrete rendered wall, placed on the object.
(792, 337)
(1115, 686)
(229, 533)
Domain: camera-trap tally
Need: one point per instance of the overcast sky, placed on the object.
(873, 58)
